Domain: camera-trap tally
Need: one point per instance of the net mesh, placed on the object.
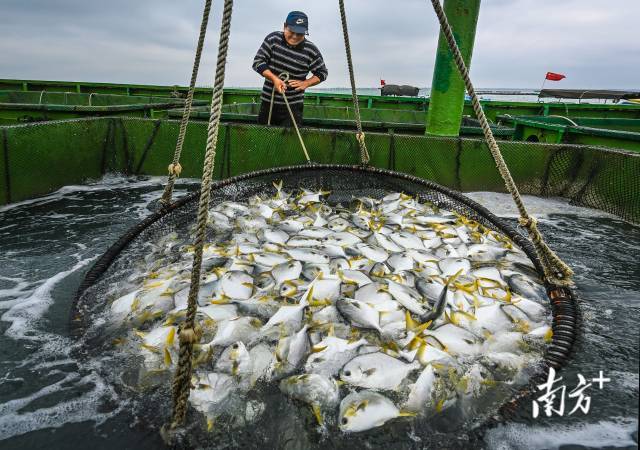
(344, 182)
(604, 179)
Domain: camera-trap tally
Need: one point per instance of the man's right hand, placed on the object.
(279, 85)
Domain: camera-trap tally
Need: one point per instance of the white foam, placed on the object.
(20, 289)
(29, 310)
(502, 205)
(109, 181)
(81, 408)
(605, 433)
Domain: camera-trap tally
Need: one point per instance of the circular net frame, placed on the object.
(344, 183)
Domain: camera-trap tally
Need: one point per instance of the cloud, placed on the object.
(152, 41)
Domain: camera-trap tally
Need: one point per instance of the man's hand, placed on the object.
(299, 85)
(279, 85)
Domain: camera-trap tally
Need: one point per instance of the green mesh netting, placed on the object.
(600, 178)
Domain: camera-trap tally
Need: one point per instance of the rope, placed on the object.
(175, 168)
(189, 332)
(364, 154)
(284, 76)
(555, 270)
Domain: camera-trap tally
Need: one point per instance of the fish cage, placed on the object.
(251, 157)
(342, 184)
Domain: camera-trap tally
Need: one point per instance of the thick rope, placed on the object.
(189, 333)
(175, 168)
(556, 271)
(364, 154)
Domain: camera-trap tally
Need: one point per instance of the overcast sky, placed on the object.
(595, 43)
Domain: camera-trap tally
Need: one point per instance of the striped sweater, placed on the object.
(278, 56)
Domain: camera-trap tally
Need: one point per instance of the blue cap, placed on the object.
(298, 22)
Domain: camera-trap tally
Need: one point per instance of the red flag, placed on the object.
(382, 82)
(554, 76)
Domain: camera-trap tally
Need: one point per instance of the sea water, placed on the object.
(51, 399)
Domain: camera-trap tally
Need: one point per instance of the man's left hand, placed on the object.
(299, 85)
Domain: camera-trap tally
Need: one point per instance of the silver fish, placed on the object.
(377, 371)
(361, 411)
(359, 313)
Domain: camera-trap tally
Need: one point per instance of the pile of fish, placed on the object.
(361, 312)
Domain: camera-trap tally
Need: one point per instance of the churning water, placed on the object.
(51, 399)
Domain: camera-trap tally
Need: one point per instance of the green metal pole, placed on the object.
(447, 88)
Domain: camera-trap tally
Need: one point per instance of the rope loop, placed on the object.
(364, 154)
(175, 169)
(528, 222)
(188, 336)
(168, 190)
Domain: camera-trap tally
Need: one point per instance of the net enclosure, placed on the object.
(112, 273)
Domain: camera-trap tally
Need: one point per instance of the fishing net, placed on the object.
(590, 176)
(111, 272)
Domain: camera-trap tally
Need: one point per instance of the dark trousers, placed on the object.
(280, 115)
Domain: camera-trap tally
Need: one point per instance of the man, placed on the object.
(288, 51)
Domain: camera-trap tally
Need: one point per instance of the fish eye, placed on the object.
(344, 421)
(347, 373)
(235, 345)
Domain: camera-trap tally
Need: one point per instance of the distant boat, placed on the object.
(398, 90)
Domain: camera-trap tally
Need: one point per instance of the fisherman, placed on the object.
(288, 51)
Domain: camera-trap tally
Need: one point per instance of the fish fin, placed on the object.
(140, 334)
(410, 323)
(453, 277)
(150, 348)
(440, 405)
(167, 357)
(317, 413)
(548, 335)
(450, 317)
(369, 372)
(234, 368)
(171, 336)
(407, 414)
(210, 425)
(416, 342)
(318, 349)
(420, 328)
(467, 315)
(421, 350)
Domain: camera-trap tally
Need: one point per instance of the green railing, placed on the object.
(615, 133)
(236, 95)
(41, 157)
